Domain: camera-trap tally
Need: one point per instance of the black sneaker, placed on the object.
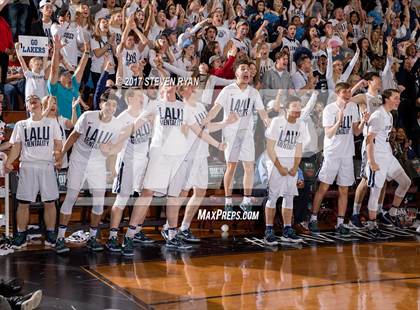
(165, 234)
(384, 219)
(393, 219)
(140, 237)
(289, 235)
(93, 245)
(19, 240)
(178, 244)
(187, 235)
(127, 248)
(377, 234)
(270, 238)
(112, 245)
(10, 288)
(27, 302)
(342, 230)
(246, 207)
(60, 246)
(228, 207)
(313, 227)
(355, 222)
(50, 238)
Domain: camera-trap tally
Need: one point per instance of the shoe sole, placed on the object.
(127, 254)
(271, 243)
(62, 251)
(33, 302)
(386, 225)
(189, 240)
(18, 247)
(95, 249)
(144, 241)
(169, 246)
(49, 244)
(285, 239)
(113, 250)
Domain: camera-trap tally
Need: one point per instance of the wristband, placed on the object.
(86, 53)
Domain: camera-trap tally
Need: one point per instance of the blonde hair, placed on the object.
(44, 101)
(33, 59)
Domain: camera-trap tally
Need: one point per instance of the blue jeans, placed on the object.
(17, 13)
(11, 91)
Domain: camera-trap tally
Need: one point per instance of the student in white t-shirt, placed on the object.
(50, 110)
(223, 33)
(71, 36)
(36, 75)
(341, 122)
(198, 149)
(102, 43)
(88, 164)
(284, 152)
(168, 160)
(382, 164)
(35, 141)
(243, 99)
(131, 163)
(128, 51)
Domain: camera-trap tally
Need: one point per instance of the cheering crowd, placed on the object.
(140, 85)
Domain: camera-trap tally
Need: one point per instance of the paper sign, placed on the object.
(33, 46)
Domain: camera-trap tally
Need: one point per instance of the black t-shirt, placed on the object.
(322, 85)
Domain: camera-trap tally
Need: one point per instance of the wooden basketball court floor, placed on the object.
(229, 273)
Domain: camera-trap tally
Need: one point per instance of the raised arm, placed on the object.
(350, 67)
(306, 111)
(81, 67)
(20, 58)
(55, 62)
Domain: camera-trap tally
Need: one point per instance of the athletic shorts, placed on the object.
(198, 175)
(89, 175)
(278, 185)
(166, 174)
(240, 146)
(130, 175)
(37, 178)
(340, 170)
(389, 168)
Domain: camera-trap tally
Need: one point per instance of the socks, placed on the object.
(371, 224)
(228, 200)
(113, 233)
(393, 211)
(61, 231)
(165, 226)
(21, 231)
(340, 220)
(314, 218)
(131, 231)
(356, 208)
(93, 231)
(380, 210)
(185, 226)
(268, 228)
(139, 228)
(172, 233)
(287, 225)
(246, 200)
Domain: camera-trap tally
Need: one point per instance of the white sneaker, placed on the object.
(416, 224)
(418, 229)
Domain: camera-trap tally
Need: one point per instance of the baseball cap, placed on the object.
(213, 58)
(187, 43)
(63, 71)
(44, 2)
